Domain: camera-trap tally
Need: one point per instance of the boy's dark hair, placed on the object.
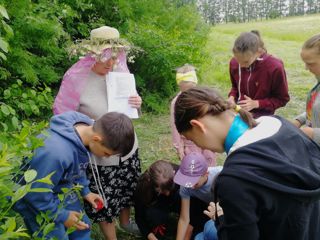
(117, 132)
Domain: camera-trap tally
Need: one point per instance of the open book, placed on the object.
(119, 87)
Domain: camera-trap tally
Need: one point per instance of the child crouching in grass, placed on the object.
(66, 153)
(195, 179)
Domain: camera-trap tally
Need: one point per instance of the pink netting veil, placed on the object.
(75, 79)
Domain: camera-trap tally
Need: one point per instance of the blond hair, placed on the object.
(186, 73)
(185, 68)
(313, 43)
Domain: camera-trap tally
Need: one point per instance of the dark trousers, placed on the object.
(162, 217)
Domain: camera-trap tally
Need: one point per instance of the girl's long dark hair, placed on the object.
(200, 101)
(158, 176)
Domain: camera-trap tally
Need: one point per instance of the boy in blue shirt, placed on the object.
(66, 152)
(195, 179)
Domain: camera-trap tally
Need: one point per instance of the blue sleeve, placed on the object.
(45, 161)
(215, 170)
(84, 182)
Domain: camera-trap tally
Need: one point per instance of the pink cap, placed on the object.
(193, 166)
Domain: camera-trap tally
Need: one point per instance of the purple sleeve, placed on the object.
(234, 87)
(279, 91)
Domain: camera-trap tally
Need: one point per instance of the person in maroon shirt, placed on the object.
(259, 83)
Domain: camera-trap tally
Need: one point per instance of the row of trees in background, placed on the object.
(219, 11)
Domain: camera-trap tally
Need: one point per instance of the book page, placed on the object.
(119, 87)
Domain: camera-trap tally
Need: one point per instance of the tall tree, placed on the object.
(216, 11)
(293, 7)
(300, 7)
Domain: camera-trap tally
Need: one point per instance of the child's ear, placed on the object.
(97, 138)
(198, 125)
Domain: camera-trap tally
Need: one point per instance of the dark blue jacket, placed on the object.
(269, 187)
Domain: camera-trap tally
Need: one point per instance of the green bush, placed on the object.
(43, 29)
(17, 139)
(23, 103)
(33, 59)
(169, 39)
(6, 32)
(160, 28)
(13, 148)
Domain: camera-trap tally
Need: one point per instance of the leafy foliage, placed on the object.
(44, 29)
(34, 38)
(13, 148)
(7, 33)
(169, 39)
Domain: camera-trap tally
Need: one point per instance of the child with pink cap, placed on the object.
(195, 178)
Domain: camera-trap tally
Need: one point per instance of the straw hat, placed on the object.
(100, 39)
(104, 32)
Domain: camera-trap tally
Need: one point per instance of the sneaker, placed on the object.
(131, 228)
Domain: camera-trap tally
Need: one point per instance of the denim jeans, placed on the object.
(209, 232)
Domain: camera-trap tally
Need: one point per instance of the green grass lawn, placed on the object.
(283, 38)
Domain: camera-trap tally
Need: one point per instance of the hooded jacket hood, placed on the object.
(63, 125)
(66, 158)
(277, 156)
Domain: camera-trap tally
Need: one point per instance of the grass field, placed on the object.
(283, 38)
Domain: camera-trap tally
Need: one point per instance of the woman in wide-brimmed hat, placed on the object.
(84, 89)
(104, 52)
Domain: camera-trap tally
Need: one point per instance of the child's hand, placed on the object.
(151, 236)
(74, 221)
(231, 100)
(94, 199)
(212, 209)
(296, 123)
(308, 131)
(248, 104)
